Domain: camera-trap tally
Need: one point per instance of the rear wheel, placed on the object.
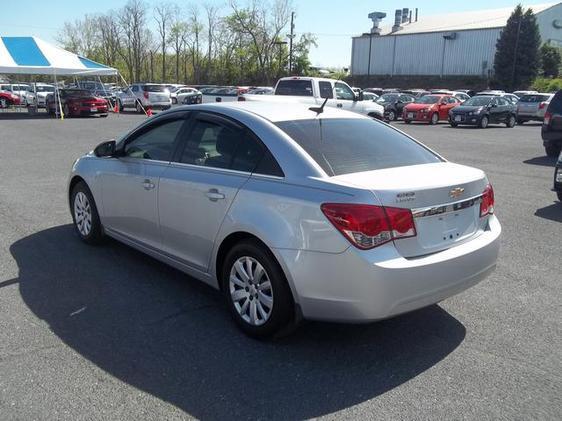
(552, 151)
(256, 291)
(453, 124)
(120, 106)
(4, 103)
(510, 123)
(85, 214)
(391, 116)
(484, 122)
(434, 119)
(407, 121)
(520, 121)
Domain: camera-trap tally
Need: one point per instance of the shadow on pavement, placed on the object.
(545, 161)
(552, 212)
(158, 330)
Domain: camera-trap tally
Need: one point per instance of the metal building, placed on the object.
(454, 44)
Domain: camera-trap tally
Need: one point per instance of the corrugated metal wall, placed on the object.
(426, 54)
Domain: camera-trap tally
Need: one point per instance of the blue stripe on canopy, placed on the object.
(91, 64)
(25, 51)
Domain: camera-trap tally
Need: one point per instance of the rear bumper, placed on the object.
(363, 286)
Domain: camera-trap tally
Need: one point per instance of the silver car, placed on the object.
(532, 107)
(141, 96)
(291, 212)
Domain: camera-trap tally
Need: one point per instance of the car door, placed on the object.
(130, 182)
(450, 102)
(197, 189)
(494, 111)
(345, 97)
(504, 109)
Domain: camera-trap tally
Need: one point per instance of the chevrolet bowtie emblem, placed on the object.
(456, 192)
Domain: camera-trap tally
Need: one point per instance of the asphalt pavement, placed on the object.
(109, 333)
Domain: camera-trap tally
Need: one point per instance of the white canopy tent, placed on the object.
(33, 56)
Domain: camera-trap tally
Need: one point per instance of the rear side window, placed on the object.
(294, 87)
(343, 146)
(556, 103)
(326, 90)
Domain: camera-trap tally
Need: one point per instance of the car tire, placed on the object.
(261, 306)
(85, 214)
(552, 151)
(120, 106)
(139, 108)
(454, 125)
(559, 194)
(392, 116)
(66, 111)
(4, 103)
(484, 121)
(434, 119)
(174, 100)
(407, 121)
(521, 122)
(103, 115)
(510, 123)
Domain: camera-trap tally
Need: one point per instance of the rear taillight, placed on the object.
(487, 203)
(369, 226)
(146, 95)
(542, 105)
(547, 117)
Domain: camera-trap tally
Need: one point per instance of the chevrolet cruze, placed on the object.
(292, 212)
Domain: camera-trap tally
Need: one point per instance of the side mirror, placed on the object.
(105, 149)
(359, 97)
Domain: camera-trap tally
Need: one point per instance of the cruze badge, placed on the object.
(456, 192)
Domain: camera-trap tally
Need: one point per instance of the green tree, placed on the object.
(550, 59)
(517, 60)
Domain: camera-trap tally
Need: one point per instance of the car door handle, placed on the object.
(340, 105)
(214, 195)
(148, 185)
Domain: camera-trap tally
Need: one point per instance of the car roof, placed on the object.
(274, 111)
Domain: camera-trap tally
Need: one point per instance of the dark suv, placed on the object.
(394, 104)
(552, 126)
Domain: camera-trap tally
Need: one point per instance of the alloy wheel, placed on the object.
(82, 214)
(251, 291)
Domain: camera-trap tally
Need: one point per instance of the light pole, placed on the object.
(280, 44)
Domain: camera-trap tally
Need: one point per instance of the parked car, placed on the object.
(98, 89)
(77, 102)
(532, 107)
(394, 104)
(291, 212)
(315, 91)
(558, 178)
(174, 88)
(41, 91)
(481, 110)
(416, 93)
(514, 99)
(141, 96)
(220, 94)
(19, 89)
(521, 93)
(369, 96)
(189, 96)
(264, 90)
(469, 92)
(376, 91)
(551, 131)
(7, 99)
(461, 96)
(430, 109)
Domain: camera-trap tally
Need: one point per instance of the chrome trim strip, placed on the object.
(446, 208)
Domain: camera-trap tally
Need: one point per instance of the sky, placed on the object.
(333, 22)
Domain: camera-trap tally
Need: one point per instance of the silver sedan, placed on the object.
(291, 212)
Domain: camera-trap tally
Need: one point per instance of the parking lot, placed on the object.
(107, 332)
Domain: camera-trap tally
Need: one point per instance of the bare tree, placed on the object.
(132, 19)
(164, 15)
(211, 12)
(109, 37)
(178, 32)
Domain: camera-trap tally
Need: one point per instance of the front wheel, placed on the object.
(85, 214)
(453, 124)
(391, 116)
(521, 122)
(484, 122)
(434, 119)
(510, 123)
(4, 103)
(256, 291)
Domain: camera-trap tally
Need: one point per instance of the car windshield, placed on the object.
(155, 88)
(77, 93)
(45, 89)
(344, 146)
(478, 101)
(387, 98)
(428, 99)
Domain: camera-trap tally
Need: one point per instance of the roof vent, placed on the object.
(405, 12)
(376, 17)
(397, 20)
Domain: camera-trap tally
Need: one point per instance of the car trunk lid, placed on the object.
(444, 199)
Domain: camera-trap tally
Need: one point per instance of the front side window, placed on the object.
(344, 92)
(156, 142)
(343, 146)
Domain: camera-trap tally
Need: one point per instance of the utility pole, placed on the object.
(291, 36)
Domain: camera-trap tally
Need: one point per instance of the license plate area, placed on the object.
(410, 115)
(458, 118)
(448, 228)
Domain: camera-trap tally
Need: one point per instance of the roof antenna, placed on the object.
(320, 109)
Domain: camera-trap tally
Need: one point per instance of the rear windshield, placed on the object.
(534, 98)
(294, 87)
(344, 146)
(154, 88)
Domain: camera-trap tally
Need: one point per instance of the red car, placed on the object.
(77, 102)
(7, 98)
(429, 108)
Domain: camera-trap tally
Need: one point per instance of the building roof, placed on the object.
(477, 19)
